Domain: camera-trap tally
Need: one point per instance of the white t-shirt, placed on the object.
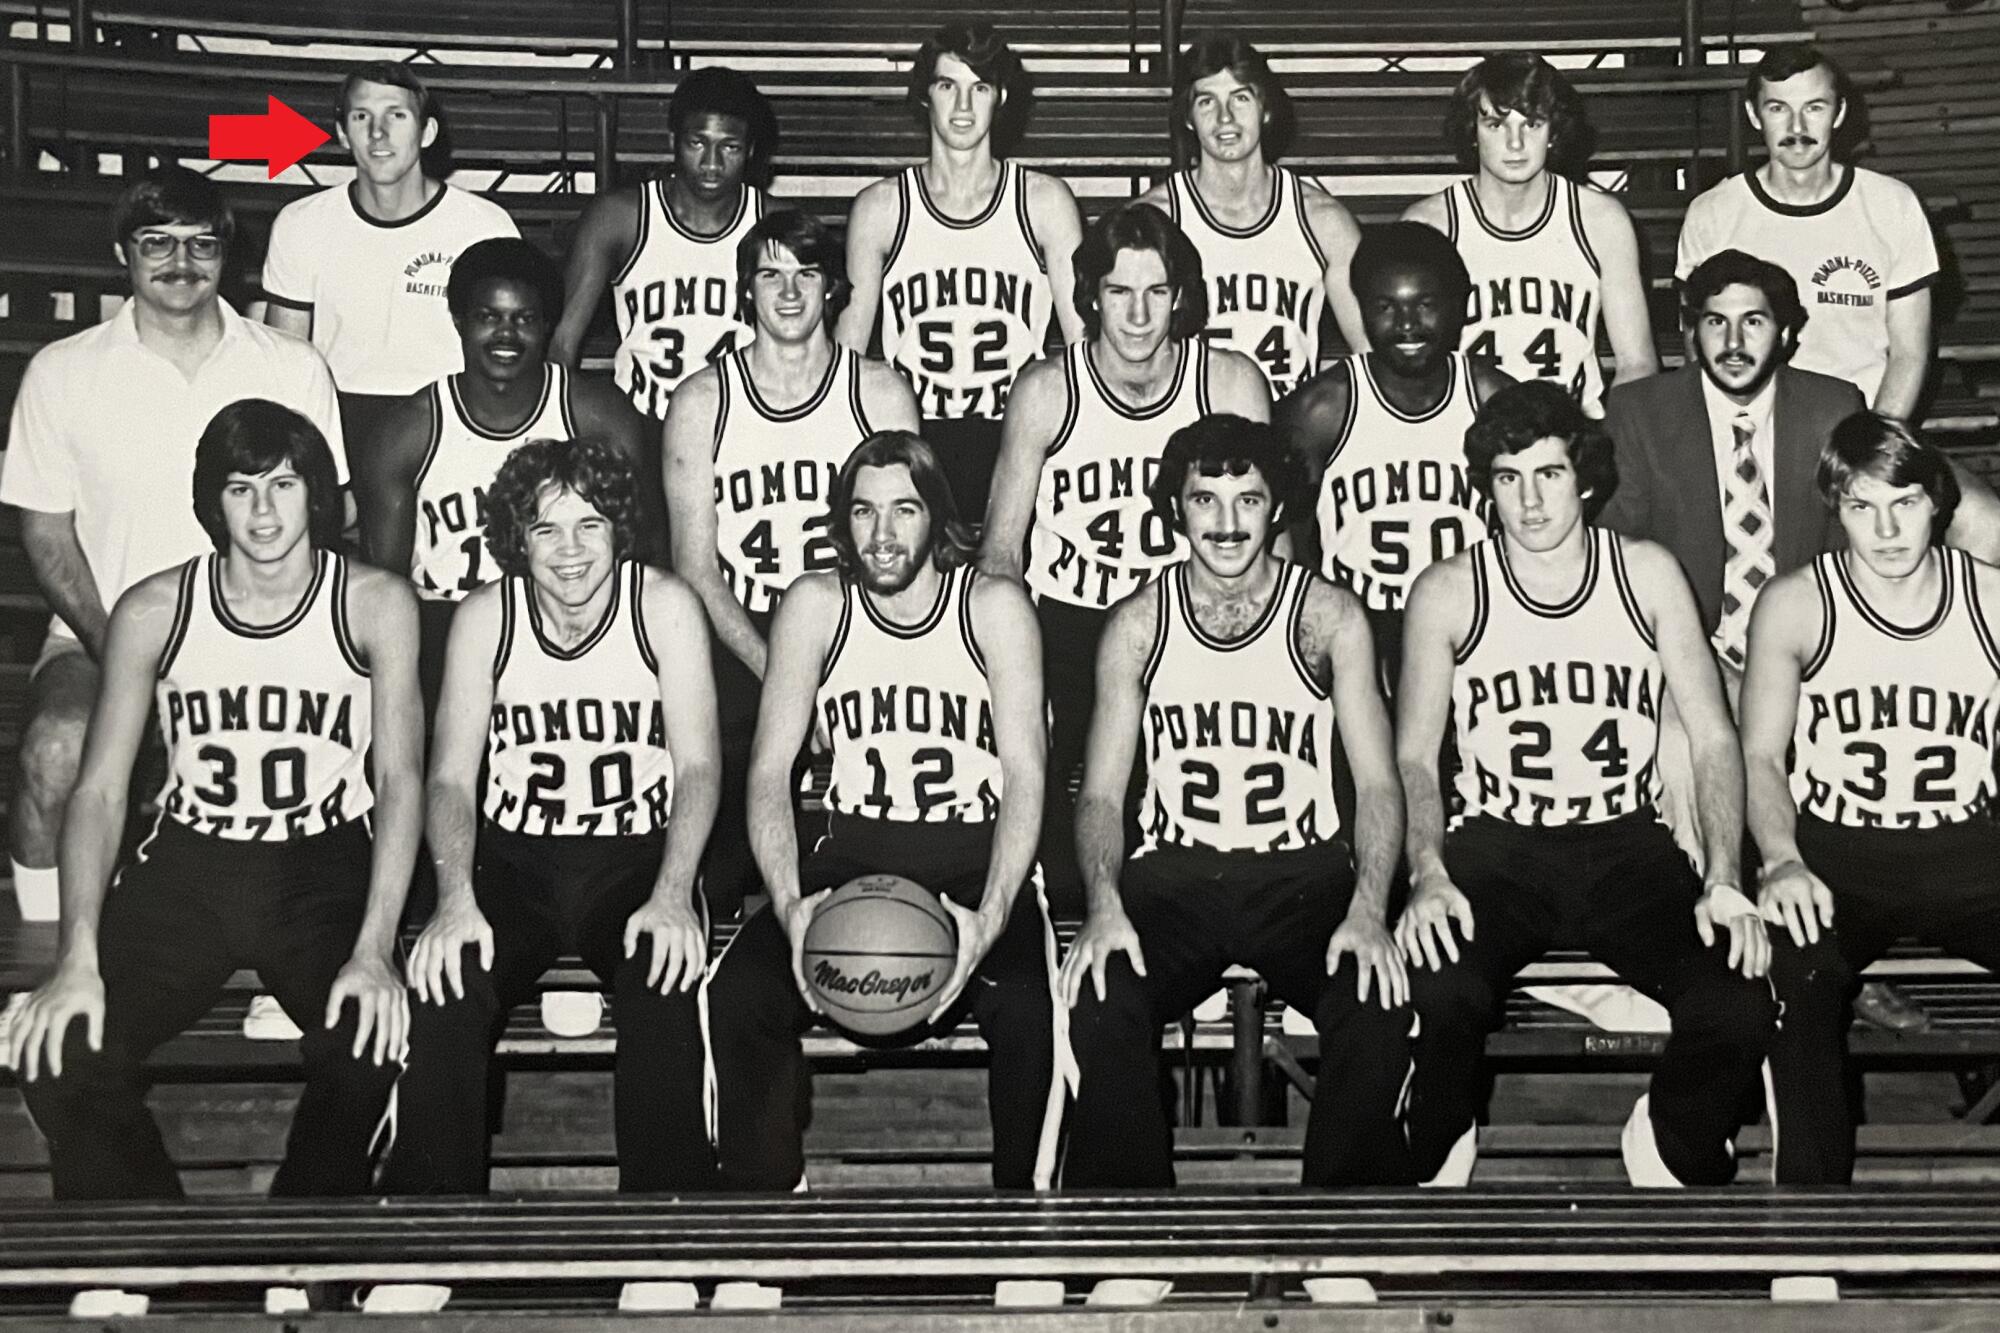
(376, 289)
(106, 428)
(1851, 254)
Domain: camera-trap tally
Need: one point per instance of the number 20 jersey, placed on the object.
(965, 302)
(267, 727)
(577, 743)
(676, 300)
(1239, 737)
(1896, 722)
(1396, 496)
(1557, 707)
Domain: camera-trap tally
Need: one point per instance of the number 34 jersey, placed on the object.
(577, 744)
(267, 727)
(1557, 707)
(675, 300)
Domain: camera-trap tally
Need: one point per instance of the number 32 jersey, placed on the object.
(1557, 706)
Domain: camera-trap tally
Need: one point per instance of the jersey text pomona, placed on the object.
(675, 300)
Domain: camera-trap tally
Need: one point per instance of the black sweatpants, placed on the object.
(1623, 891)
(756, 1016)
(544, 897)
(1196, 913)
(1941, 885)
(728, 870)
(967, 448)
(189, 910)
(1070, 636)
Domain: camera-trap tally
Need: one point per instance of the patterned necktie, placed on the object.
(1746, 524)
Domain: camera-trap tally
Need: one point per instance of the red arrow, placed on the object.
(281, 136)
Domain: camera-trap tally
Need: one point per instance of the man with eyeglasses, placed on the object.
(103, 432)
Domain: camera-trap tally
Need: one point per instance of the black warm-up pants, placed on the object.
(1941, 885)
(189, 910)
(1070, 635)
(756, 1016)
(1196, 913)
(545, 897)
(1623, 891)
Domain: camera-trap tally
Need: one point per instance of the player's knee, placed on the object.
(1815, 976)
(1452, 996)
(52, 748)
(1345, 1021)
(1738, 1013)
(1124, 1006)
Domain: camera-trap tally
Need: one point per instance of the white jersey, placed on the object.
(1896, 722)
(1096, 537)
(1851, 254)
(578, 740)
(377, 289)
(774, 471)
(449, 558)
(1535, 298)
(965, 302)
(676, 300)
(1266, 282)
(1239, 738)
(908, 713)
(267, 727)
(1557, 708)
(1396, 496)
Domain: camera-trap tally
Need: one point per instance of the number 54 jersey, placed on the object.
(1557, 706)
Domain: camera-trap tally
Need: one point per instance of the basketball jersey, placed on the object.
(1534, 302)
(1896, 722)
(449, 558)
(577, 745)
(1239, 737)
(1396, 496)
(1557, 706)
(908, 714)
(965, 302)
(676, 299)
(1096, 536)
(1266, 282)
(774, 471)
(267, 727)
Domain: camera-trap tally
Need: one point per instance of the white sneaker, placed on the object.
(1644, 1167)
(1456, 1173)
(266, 1020)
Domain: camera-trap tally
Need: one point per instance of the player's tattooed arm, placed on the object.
(1785, 625)
(1058, 231)
(1035, 412)
(1435, 625)
(886, 399)
(689, 477)
(603, 411)
(1909, 318)
(605, 238)
(1312, 418)
(62, 572)
(1100, 804)
(1337, 233)
(89, 848)
(451, 815)
(679, 632)
(801, 635)
(1335, 639)
(872, 221)
(385, 481)
(1003, 622)
(1628, 320)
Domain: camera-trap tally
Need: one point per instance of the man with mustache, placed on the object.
(1855, 241)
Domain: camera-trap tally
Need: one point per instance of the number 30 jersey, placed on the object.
(1239, 737)
(908, 713)
(449, 558)
(1557, 707)
(774, 473)
(1396, 497)
(577, 744)
(1896, 722)
(675, 300)
(965, 302)
(267, 727)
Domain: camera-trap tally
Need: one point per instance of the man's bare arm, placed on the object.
(383, 617)
(1113, 743)
(1035, 412)
(1628, 322)
(1438, 614)
(690, 484)
(1011, 641)
(886, 398)
(799, 640)
(871, 230)
(1909, 355)
(1784, 626)
(385, 482)
(679, 634)
(62, 571)
(605, 237)
(1338, 635)
(1058, 231)
(1337, 233)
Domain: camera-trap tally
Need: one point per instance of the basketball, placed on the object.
(877, 953)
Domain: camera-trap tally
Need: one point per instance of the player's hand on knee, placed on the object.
(44, 1020)
(1423, 932)
(1376, 960)
(438, 960)
(382, 1007)
(1104, 934)
(976, 933)
(680, 946)
(795, 921)
(1795, 898)
(1749, 946)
